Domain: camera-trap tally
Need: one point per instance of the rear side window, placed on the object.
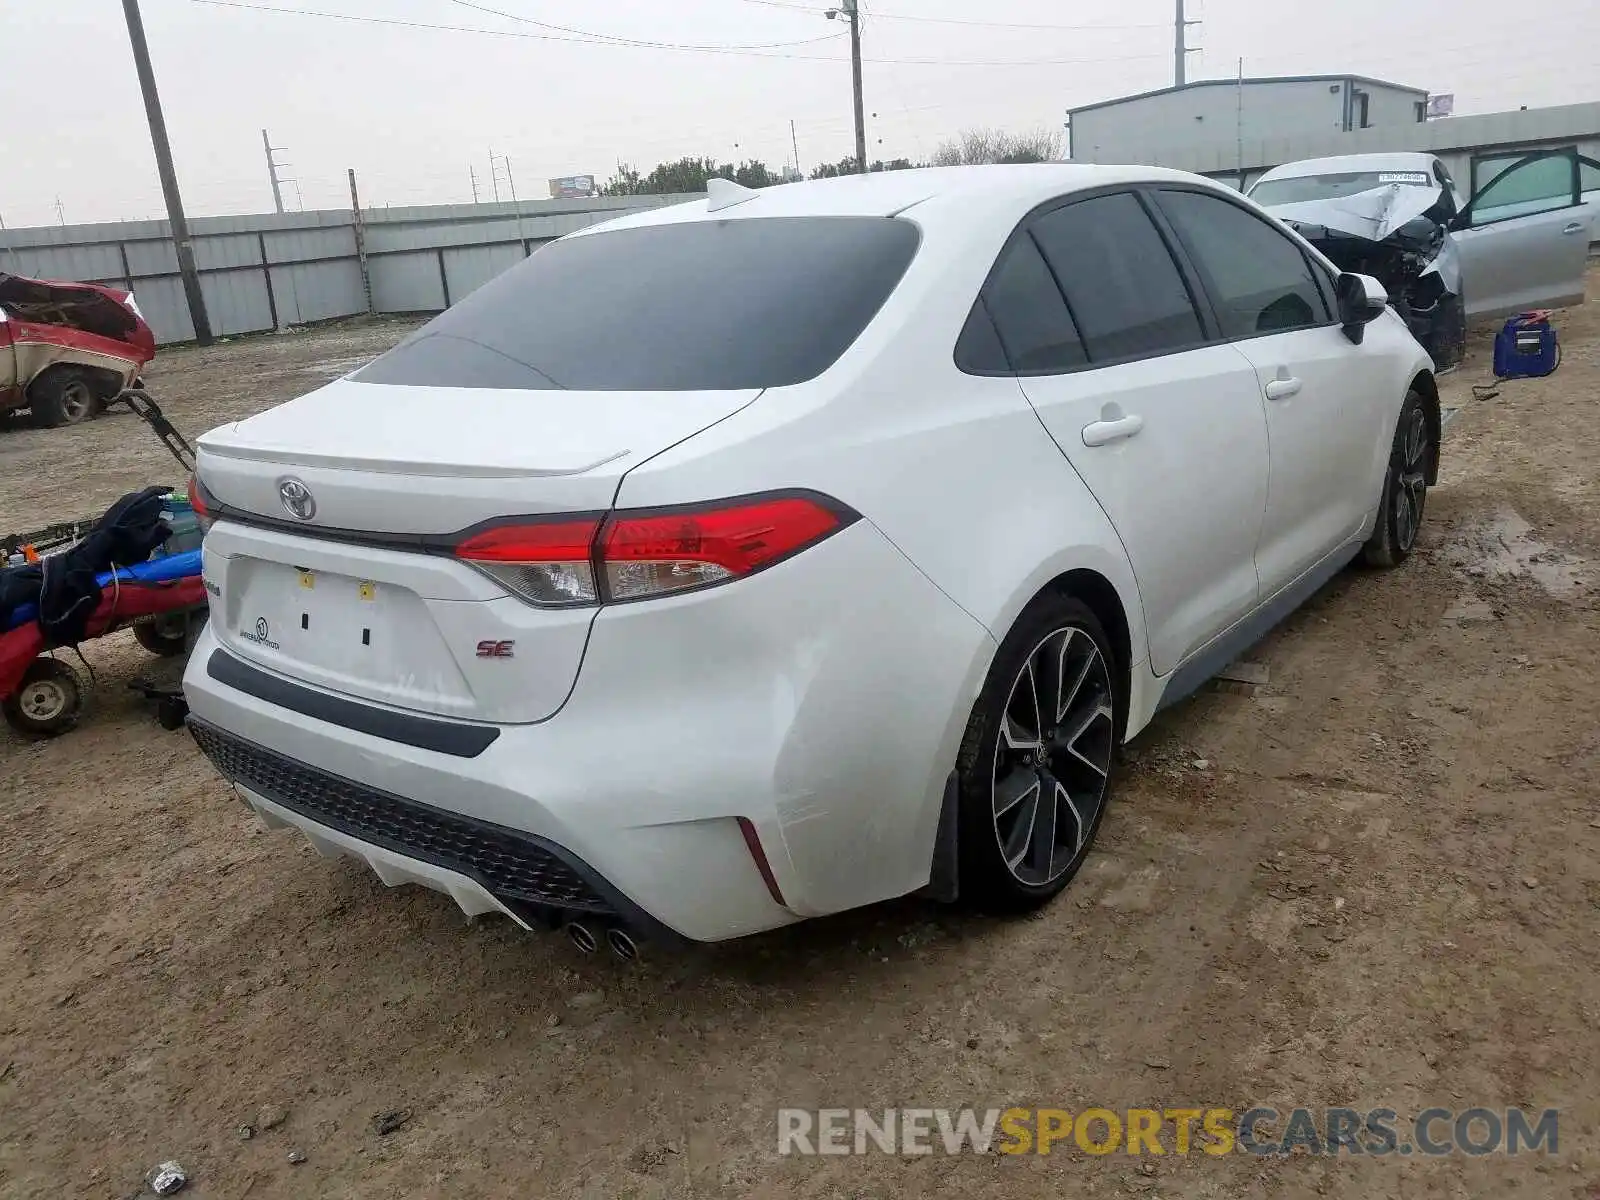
(1028, 315)
(1123, 287)
(1258, 279)
(689, 306)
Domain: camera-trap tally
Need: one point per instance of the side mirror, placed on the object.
(1362, 300)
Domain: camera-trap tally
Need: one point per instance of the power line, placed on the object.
(546, 37)
(813, 9)
(885, 16)
(510, 33)
(619, 40)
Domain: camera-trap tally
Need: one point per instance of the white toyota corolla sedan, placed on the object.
(785, 551)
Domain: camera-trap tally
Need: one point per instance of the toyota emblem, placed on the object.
(297, 499)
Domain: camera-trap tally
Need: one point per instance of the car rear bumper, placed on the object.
(483, 867)
(789, 706)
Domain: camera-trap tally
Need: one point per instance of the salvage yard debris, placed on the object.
(67, 349)
(386, 1123)
(167, 1179)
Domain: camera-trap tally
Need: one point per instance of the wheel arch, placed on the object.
(105, 382)
(1124, 629)
(1119, 614)
(1427, 387)
(1098, 592)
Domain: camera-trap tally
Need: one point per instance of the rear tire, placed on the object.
(1405, 488)
(64, 396)
(49, 700)
(1035, 767)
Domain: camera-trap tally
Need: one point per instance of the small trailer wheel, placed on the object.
(49, 700)
(165, 635)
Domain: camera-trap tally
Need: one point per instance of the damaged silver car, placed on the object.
(1520, 242)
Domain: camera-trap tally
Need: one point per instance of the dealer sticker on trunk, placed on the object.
(261, 635)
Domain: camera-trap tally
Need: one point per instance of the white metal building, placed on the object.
(1143, 128)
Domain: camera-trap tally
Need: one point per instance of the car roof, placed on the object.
(935, 192)
(1353, 163)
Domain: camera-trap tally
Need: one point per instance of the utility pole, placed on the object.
(472, 174)
(1180, 47)
(169, 176)
(61, 213)
(494, 176)
(510, 182)
(1238, 125)
(852, 14)
(850, 7)
(272, 170)
(795, 142)
(360, 225)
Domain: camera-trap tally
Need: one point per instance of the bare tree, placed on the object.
(976, 146)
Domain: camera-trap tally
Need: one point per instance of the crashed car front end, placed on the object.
(51, 331)
(1396, 233)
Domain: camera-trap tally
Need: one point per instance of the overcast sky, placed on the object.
(411, 109)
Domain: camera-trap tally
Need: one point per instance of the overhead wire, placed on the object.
(512, 33)
(890, 16)
(550, 37)
(620, 40)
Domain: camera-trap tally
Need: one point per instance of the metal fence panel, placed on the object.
(236, 301)
(469, 268)
(278, 269)
(321, 291)
(298, 245)
(152, 258)
(405, 283)
(216, 253)
(164, 307)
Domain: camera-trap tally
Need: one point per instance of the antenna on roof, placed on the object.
(725, 193)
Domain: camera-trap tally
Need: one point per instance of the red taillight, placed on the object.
(645, 554)
(197, 501)
(547, 562)
(649, 552)
(563, 540)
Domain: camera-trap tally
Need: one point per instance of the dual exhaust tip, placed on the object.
(617, 938)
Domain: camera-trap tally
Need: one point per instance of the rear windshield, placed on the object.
(1342, 183)
(692, 306)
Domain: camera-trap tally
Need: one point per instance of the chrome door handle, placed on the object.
(1282, 389)
(1103, 433)
(1575, 227)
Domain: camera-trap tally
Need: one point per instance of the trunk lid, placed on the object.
(356, 592)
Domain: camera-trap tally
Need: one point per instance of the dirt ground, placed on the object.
(1375, 880)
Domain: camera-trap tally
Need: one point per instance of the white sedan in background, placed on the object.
(786, 551)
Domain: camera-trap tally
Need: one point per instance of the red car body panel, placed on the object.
(44, 322)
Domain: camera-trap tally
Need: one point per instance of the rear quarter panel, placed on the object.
(954, 471)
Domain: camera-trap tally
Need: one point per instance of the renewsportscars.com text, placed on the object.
(1214, 1131)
